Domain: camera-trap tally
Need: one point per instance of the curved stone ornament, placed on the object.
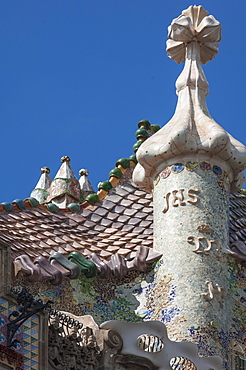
(130, 332)
(209, 242)
(87, 267)
(193, 23)
(238, 250)
(220, 292)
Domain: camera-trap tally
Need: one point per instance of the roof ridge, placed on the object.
(145, 130)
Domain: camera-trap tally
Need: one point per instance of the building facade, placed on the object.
(149, 271)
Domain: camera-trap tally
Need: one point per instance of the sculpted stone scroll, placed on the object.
(177, 198)
(209, 242)
(219, 292)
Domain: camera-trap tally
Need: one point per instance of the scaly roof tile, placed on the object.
(118, 224)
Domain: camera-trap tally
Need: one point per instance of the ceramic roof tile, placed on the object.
(12, 226)
(126, 202)
(101, 211)
(127, 228)
(148, 231)
(71, 223)
(124, 251)
(104, 235)
(31, 254)
(94, 249)
(77, 217)
(133, 197)
(130, 211)
(123, 218)
(136, 240)
(131, 245)
(112, 197)
(40, 236)
(51, 242)
(44, 245)
(99, 228)
(95, 218)
(48, 233)
(112, 216)
(120, 233)
(147, 209)
(10, 216)
(120, 226)
(76, 245)
(140, 215)
(132, 235)
(140, 193)
(117, 225)
(81, 228)
(33, 238)
(147, 242)
(150, 217)
(58, 240)
(129, 187)
(30, 231)
(145, 223)
(237, 218)
(134, 221)
(73, 237)
(57, 232)
(85, 252)
(19, 225)
(45, 226)
(108, 205)
(113, 237)
(101, 244)
(143, 201)
(62, 249)
(26, 223)
(66, 238)
(137, 206)
(113, 249)
(66, 227)
(118, 209)
(6, 217)
(105, 222)
(43, 253)
(125, 238)
(89, 224)
(118, 243)
(86, 212)
(107, 231)
(104, 254)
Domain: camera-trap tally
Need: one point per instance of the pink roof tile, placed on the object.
(118, 224)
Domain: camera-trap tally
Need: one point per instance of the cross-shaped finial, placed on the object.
(194, 24)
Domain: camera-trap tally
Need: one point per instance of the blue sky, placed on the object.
(76, 76)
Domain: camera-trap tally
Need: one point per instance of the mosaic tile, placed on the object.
(217, 170)
(165, 173)
(28, 340)
(205, 166)
(2, 338)
(191, 166)
(177, 167)
(2, 321)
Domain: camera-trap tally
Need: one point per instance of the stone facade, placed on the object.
(120, 300)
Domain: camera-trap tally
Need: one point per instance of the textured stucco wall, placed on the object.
(191, 201)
